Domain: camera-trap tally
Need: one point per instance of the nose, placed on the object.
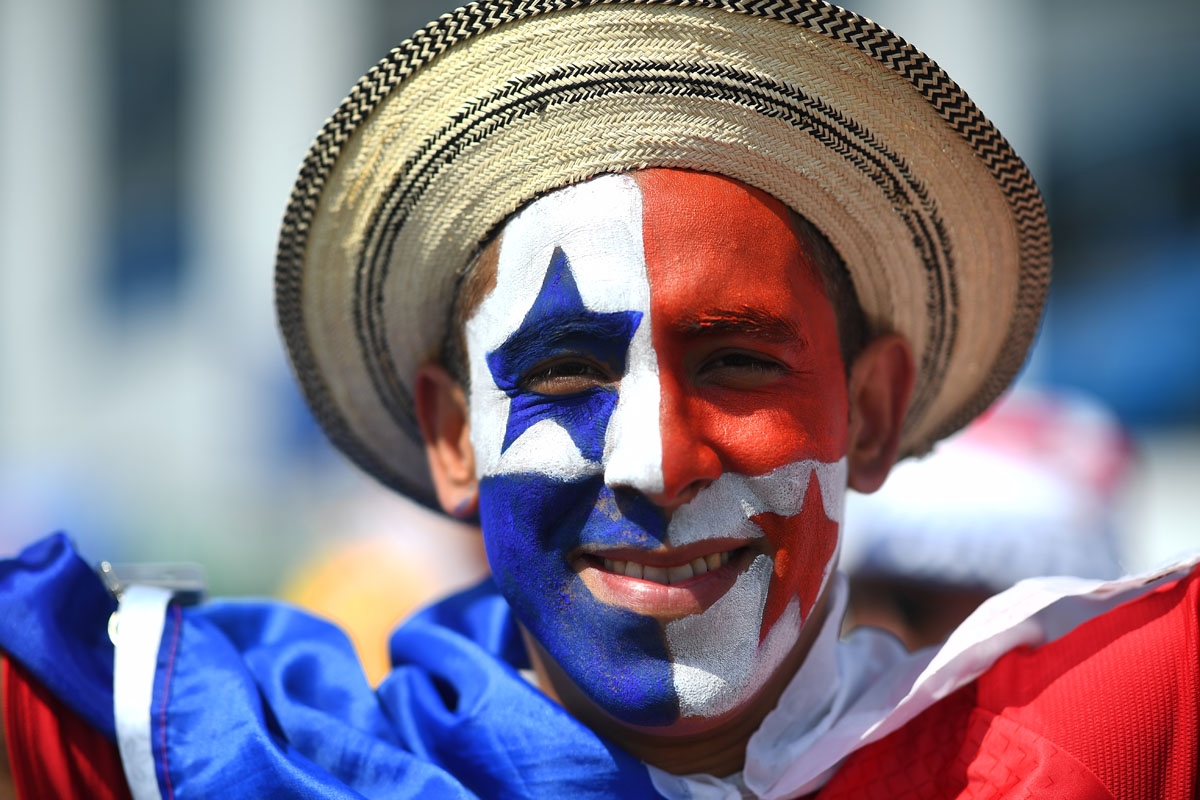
(654, 446)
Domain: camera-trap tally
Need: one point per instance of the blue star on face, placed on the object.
(559, 324)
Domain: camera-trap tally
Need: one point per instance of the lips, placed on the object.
(664, 584)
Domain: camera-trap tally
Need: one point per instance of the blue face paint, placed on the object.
(617, 657)
(535, 521)
(558, 323)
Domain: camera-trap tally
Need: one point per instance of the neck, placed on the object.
(710, 745)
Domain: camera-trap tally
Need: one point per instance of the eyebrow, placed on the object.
(745, 321)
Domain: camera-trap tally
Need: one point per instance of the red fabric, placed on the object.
(1108, 711)
(51, 751)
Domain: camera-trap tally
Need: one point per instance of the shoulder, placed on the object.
(1110, 709)
(1143, 642)
(1121, 691)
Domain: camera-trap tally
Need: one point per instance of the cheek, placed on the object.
(802, 549)
(524, 517)
(794, 424)
(532, 524)
(814, 423)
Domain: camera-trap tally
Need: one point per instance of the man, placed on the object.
(615, 545)
(643, 288)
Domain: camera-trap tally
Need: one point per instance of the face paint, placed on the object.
(570, 280)
(657, 397)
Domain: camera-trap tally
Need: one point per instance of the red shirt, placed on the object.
(1109, 710)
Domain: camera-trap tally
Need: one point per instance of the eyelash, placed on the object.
(743, 361)
(564, 368)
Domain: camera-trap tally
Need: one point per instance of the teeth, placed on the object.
(680, 573)
(667, 575)
(656, 574)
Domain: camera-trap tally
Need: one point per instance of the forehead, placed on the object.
(715, 236)
(697, 231)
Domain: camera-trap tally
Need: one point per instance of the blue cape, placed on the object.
(259, 699)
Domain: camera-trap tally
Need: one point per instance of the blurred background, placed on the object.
(147, 150)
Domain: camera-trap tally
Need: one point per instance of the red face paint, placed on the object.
(752, 376)
(800, 558)
(730, 279)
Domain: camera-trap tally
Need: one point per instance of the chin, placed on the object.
(644, 690)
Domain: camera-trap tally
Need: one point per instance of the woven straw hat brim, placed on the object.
(940, 224)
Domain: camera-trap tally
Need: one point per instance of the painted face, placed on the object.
(658, 410)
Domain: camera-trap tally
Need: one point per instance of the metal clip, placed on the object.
(185, 581)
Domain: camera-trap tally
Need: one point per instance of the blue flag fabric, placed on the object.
(259, 699)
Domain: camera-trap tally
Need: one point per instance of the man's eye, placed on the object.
(567, 376)
(740, 370)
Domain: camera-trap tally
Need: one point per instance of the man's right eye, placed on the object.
(565, 376)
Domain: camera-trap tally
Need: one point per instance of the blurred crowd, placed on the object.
(1036, 486)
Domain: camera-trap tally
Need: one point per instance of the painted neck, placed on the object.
(711, 745)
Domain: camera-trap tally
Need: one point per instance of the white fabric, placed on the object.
(872, 686)
(139, 629)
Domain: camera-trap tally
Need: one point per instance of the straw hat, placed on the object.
(940, 224)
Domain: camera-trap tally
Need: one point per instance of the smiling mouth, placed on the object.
(663, 584)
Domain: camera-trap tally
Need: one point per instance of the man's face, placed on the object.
(658, 411)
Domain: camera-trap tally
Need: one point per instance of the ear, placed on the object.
(441, 406)
(881, 380)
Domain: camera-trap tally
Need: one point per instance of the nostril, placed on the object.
(695, 488)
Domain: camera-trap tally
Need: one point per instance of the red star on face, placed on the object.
(802, 546)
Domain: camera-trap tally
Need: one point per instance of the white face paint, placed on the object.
(598, 225)
(568, 481)
(719, 660)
